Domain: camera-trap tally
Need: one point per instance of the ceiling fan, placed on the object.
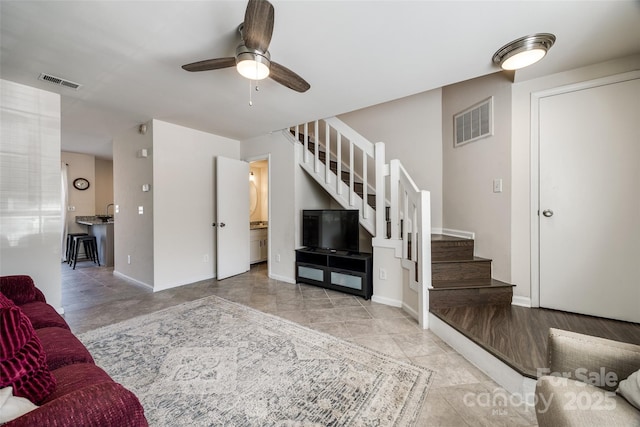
(252, 59)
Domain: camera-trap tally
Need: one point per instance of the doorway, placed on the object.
(259, 210)
(588, 234)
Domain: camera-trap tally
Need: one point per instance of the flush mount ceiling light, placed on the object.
(524, 51)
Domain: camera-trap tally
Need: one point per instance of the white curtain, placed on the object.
(65, 203)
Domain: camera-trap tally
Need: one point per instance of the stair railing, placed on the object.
(413, 207)
(353, 154)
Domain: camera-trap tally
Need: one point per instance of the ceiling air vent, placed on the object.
(473, 123)
(59, 81)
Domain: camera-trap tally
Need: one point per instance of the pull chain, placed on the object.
(251, 92)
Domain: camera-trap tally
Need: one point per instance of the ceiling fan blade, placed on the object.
(258, 25)
(288, 78)
(211, 64)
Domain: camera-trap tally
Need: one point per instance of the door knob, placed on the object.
(547, 212)
(222, 225)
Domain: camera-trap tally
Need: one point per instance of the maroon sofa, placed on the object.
(43, 361)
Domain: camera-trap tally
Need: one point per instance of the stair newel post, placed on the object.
(424, 262)
(316, 148)
(306, 142)
(339, 163)
(327, 157)
(351, 190)
(393, 190)
(297, 133)
(379, 154)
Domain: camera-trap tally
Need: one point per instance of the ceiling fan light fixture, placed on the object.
(524, 51)
(252, 65)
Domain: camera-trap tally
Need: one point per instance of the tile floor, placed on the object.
(461, 395)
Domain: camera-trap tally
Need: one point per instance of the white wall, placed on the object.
(82, 201)
(411, 129)
(184, 202)
(521, 209)
(469, 203)
(104, 185)
(133, 233)
(30, 187)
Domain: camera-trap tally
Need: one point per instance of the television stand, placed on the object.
(343, 271)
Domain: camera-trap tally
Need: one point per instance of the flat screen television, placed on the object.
(331, 229)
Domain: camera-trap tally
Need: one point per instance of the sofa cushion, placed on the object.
(19, 288)
(629, 388)
(62, 347)
(102, 404)
(42, 315)
(23, 363)
(73, 377)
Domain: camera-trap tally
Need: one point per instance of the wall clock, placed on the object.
(81, 183)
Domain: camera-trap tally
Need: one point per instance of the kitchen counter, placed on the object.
(92, 220)
(104, 236)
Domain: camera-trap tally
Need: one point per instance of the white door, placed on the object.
(232, 214)
(589, 201)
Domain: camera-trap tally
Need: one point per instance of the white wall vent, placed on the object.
(473, 123)
(59, 81)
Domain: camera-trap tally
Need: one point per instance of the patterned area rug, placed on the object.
(213, 362)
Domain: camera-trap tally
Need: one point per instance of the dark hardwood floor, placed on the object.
(518, 335)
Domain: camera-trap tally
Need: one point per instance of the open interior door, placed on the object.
(232, 214)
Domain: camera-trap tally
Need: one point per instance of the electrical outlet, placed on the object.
(128, 259)
(205, 258)
(278, 258)
(383, 274)
(140, 210)
(71, 208)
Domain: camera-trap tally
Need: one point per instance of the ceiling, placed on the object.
(128, 55)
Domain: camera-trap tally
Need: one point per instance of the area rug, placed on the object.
(212, 362)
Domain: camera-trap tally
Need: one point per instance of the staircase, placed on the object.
(392, 208)
(442, 270)
(461, 279)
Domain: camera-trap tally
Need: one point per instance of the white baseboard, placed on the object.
(282, 278)
(459, 233)
(521, 301)
(131, 279)
(386, 301)
(436, 230)
(507, 377)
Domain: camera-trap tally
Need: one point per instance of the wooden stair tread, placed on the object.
(473, 284)
(448, 238)
(453, 261)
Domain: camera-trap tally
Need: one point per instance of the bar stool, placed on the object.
(90, 248)
(69, 251)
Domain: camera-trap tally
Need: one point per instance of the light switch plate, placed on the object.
(497, 185)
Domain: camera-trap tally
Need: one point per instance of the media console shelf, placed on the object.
(341, 271)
